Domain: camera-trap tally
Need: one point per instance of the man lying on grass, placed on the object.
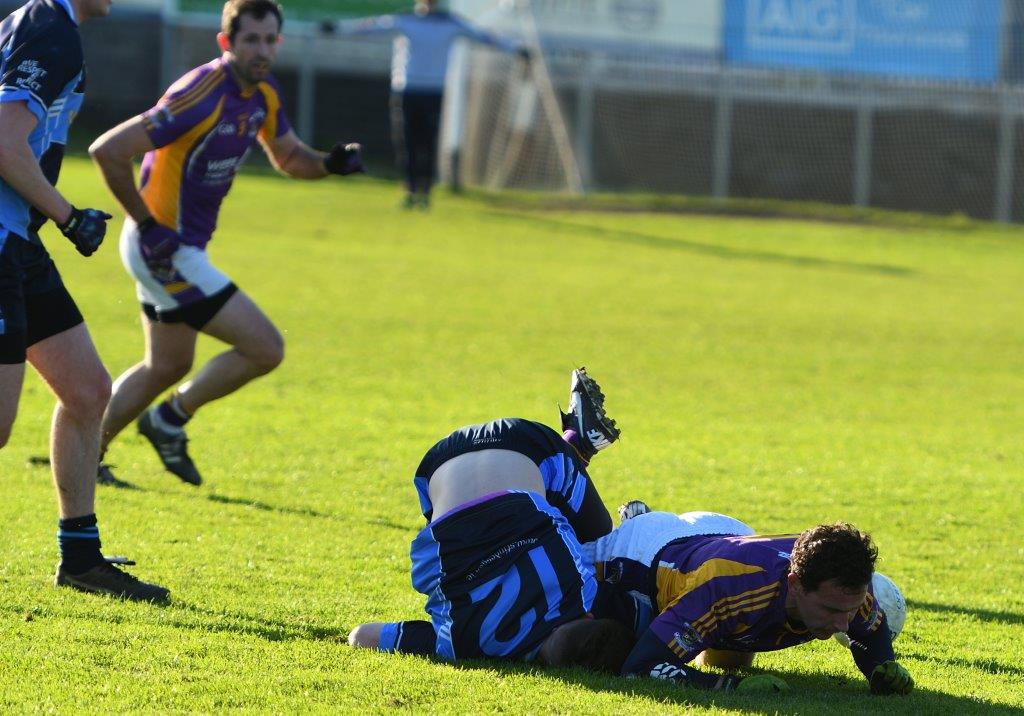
(499, 560)
(705, 586)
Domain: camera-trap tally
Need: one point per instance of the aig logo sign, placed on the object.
(801, 25)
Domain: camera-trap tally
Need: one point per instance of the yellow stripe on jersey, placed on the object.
(196, 94)
(867, 607)
(163, 189)
(767, 538)
(732, 606)
(671, 584)
(268, 132)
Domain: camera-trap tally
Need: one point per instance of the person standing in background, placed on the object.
(418, 66)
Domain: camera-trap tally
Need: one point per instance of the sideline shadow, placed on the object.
(637, 238)
(985, 615)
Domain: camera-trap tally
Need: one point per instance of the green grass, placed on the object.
(314, 8)
(787, 372)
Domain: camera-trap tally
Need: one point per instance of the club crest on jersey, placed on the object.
(687, 639)
(161, 116)
(33, 73)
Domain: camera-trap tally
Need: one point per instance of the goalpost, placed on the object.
(862, 104)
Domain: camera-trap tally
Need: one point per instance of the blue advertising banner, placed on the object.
(933, 39)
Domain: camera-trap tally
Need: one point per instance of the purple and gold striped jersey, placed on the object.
(203, 129)
(726, 593)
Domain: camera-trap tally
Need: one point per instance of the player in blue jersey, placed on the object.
(685, 592)
(42, 81)
(499, 560)
(423, 39)
(194, 141)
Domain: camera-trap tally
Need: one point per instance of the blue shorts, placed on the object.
(500, 574)
(34, 304)
(567, 485)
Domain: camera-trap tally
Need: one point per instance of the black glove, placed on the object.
(157, 244)
(345, 159)
(891, 678)
(86, 229)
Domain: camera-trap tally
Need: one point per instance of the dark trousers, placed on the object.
(415, 123)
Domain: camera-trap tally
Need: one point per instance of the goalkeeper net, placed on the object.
(758, 99)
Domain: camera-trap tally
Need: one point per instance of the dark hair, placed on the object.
(234, 9)
(840, 552)
(593, 644)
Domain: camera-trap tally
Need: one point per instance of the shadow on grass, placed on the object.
(303, 512)
(213, 620)
(985, 615)
(660, 242)
(264, 507)
(807, 694)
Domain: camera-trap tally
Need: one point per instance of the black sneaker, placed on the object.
(105, 578)
(172, 449)
(586, 414)
(105, 476)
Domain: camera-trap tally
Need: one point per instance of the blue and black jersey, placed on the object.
(42, 65)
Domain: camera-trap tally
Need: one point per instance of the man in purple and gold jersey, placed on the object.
(686, 593)
(194, 140)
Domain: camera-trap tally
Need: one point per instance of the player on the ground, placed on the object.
(499, 562)
(686, 592)
(418, 66)
(42, 81)
(195, 139)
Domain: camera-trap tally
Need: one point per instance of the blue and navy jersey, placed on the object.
(42, 65)
(500, 573)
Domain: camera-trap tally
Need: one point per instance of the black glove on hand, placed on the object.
(345, 159)
(86, 229)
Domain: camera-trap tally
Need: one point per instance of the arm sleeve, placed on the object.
(380, 25)
(485, 37)
(38, 69)
(188, 102)
(652, 657)
(870, 641)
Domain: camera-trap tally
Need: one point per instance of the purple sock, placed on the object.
(172, 413)
(584, 451)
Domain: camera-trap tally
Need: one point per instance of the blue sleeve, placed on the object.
(39, 67)
(380, 25)
(870, 643)
(486, 37)
(651, 657)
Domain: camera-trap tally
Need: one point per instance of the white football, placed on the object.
(891, 600)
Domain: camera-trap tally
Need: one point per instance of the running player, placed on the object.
(502, 569)
(42, 81)
(686, 591)
(195, 139)
(418, 66)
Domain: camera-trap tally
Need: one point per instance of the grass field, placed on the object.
(785, 372)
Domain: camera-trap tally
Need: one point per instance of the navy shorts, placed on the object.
(567, 485)
(500, 574)
(34, 304)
